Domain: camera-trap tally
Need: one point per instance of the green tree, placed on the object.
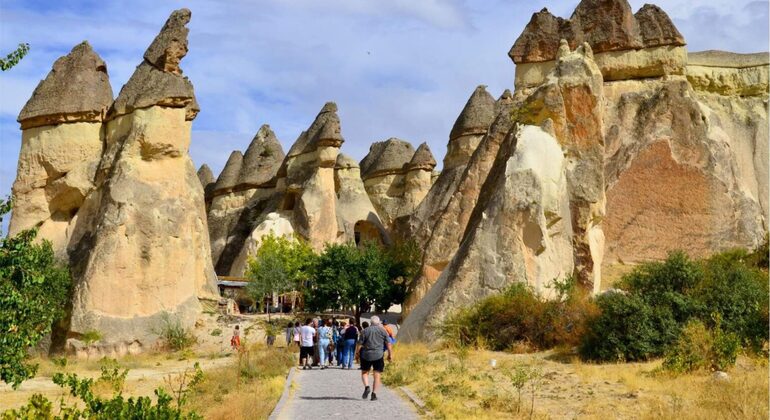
(14, 57)
(34, 289)
(358, 278)
(281, 265)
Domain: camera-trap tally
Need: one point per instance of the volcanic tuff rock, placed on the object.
(519, 232)
(396, 177)
(627, 45)
(140, 246)
(61, 145)
(468, 130)
(206, 177)
(76, 89)
(157, 80)
(451, 221)
(572, 101)
(243, 191)
(313, 192)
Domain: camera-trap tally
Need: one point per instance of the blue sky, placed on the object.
(396, 68)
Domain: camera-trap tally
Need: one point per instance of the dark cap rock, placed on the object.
(76, 89)
(262, 158)
(345, 162)
(477, 114)
(230, 173)
(389, 156)
(606, 25)
(656, 27)
(324, 131)
(422, 159)
(170, 46)
(158, 80)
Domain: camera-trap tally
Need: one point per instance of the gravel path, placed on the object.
(336, 393)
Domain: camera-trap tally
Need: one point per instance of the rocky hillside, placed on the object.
(615, 146)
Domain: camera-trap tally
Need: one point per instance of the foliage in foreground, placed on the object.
(725, 293)
(14, 57)
(519, 319)
(34, 289)
(91, 406)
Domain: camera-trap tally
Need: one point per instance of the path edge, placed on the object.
(284, 396)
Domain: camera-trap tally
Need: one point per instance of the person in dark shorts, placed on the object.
(307, 332)
(374, 339)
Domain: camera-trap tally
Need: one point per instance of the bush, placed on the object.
(34, 290)
(174, 335)
(701, 348)
(518, 316)
(727, 293)
(627, 329)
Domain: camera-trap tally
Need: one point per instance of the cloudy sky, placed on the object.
(396, 68)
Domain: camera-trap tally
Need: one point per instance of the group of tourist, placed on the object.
(322, 342)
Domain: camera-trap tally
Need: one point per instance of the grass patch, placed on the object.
(247, 389)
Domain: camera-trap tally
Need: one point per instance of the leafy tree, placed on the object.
(14, 57)
(281, 265)
(358, 278)
(34, 289)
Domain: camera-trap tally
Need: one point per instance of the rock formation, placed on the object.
(519, 232)
(625, 45)
(397, 177)
(140, 246)
(659, 153)
(61, 145)
(241, 193)
(468, 130)
(313, 192)
(206, 177)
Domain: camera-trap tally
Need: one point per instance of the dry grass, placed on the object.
(462, 384)
(249, 388)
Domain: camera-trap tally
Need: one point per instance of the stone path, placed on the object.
(335, 393)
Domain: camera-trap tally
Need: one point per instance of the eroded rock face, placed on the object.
(572, 101)
(519, 232)
(469, 128)
(61, 146)
(683, 171)
(244, 190)
(140, 246)
(357, 218)
(451, 222)
(397, 177)
(729, 74)
(627, 45)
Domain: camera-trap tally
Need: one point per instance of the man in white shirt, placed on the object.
(306, 334)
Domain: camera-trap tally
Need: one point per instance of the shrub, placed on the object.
(174, 335)
(627, 329)
(34, 289)
(701, 348)
(518, 316)
(727, 293)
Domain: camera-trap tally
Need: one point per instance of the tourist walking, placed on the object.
(373, 340)
(350, 338)
(307, 334)
(235, 341)
(289, 334)
(296, 333)
(324, 339)
(340, 342)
